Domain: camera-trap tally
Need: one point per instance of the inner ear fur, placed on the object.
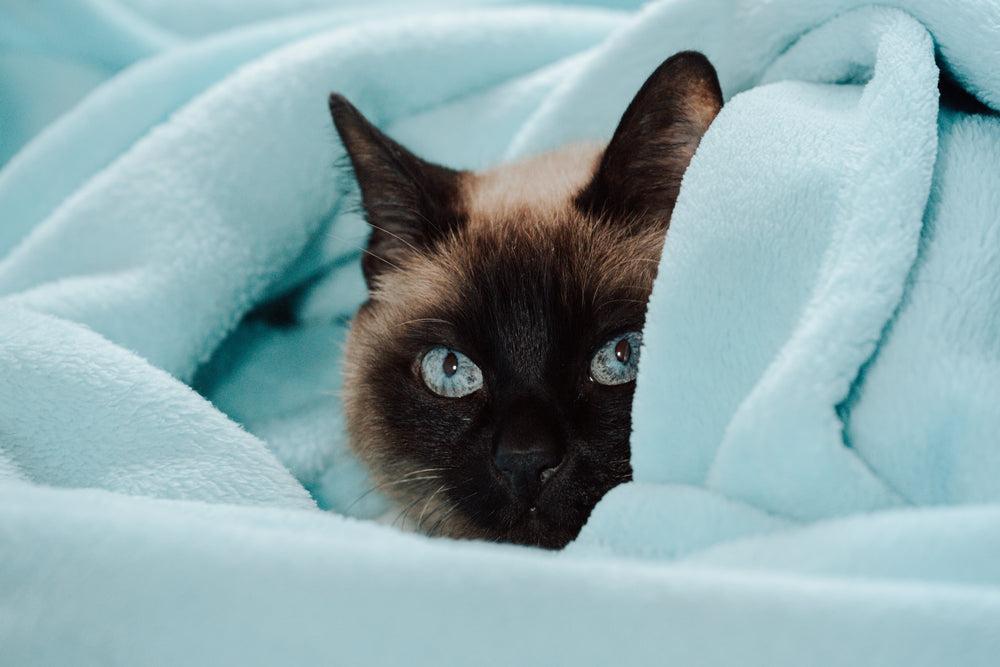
(639, 174)
(410, 203)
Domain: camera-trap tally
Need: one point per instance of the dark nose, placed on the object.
(529, 445)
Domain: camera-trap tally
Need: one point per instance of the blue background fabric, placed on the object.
(817, 465)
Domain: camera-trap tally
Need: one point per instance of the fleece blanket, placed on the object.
(815, 446)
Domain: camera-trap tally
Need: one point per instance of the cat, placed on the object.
(489, 376)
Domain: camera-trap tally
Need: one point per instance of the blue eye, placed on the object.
(617, 361)
(449, 373)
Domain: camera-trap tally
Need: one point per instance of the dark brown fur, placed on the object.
(527, 269)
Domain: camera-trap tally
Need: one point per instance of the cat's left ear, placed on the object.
(639, 175)
(409, 202)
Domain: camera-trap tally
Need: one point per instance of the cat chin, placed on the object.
(551, 522)
(540, 531)
(544, 526)
(533, 529)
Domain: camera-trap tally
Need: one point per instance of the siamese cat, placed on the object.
(489, 376)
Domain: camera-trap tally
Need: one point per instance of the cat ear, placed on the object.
(639, 174)
(408, 202)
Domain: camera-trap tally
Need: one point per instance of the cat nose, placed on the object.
(528, 447)
(527, 471)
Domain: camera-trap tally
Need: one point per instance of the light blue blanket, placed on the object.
(817, 417)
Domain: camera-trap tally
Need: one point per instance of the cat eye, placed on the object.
(450, 373)
(617, 361)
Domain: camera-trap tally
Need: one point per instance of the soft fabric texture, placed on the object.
(815, 447)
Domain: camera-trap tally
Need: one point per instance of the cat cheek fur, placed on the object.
(527, 269)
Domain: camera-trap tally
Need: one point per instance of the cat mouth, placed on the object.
(527, 504)
(544, 522)
(539, 528)
(550, 517)
(545, 490)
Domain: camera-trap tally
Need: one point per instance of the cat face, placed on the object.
(489, 377)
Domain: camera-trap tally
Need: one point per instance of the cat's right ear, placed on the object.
(410, 203)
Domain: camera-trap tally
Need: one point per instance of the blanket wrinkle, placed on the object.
(815, 453)
(860, 280)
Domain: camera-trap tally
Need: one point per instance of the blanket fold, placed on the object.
(815, 449)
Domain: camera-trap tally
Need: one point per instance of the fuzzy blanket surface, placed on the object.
(816, 436)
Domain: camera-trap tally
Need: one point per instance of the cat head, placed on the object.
(490, 374)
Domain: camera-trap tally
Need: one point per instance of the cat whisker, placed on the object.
(608, 303)
(397, 237)
(404, 480)
(433, 530)
(420, 214)
(387, 207)
(454, 507)
(401, 517)
(420, 519)
(442, 510)
(419, 320)
(362, 249)
(640, 288)
(359, 499)
(422, 471)
(639, 292)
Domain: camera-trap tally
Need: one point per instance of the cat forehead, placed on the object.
(521, 231)
(520, 257)
(534, 191)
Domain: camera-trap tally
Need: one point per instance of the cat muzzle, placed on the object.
(529, 448)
